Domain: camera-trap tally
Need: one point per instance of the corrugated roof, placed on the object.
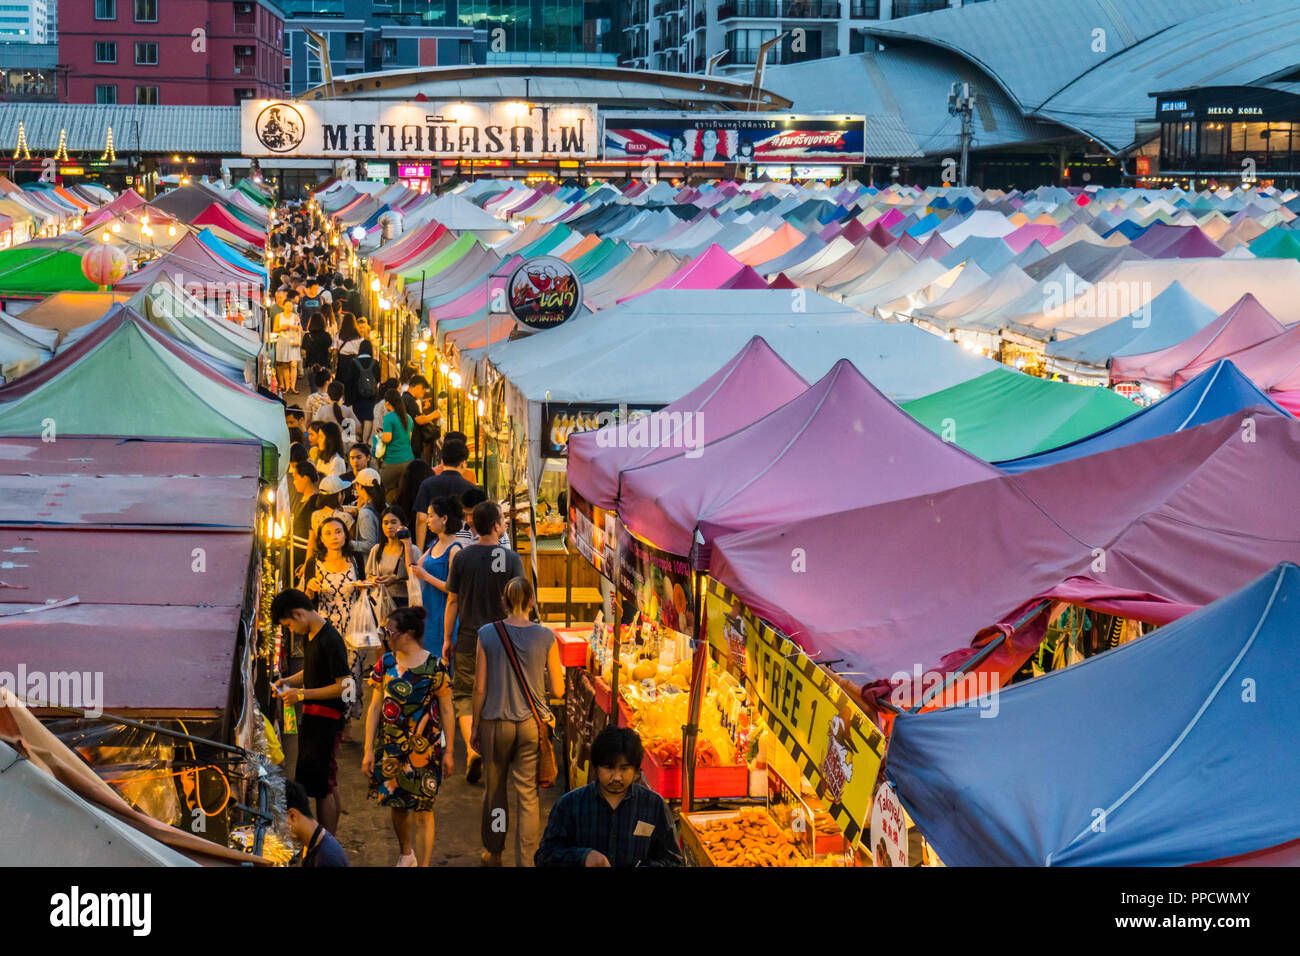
(904, 93)
(156, 129)
(1054, 40)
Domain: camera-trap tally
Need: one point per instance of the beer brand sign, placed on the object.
(383, 129)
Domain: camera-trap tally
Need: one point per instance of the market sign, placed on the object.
(735, 138)
(543, 292)
(658, 581)
(365, 129)
(836, 747)
(562, 419)
(414, 172)
(888, 828)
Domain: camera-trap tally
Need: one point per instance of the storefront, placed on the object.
(1228, 132)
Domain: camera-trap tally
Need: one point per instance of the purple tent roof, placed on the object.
(1184, 518)
(840, 444)
(1163, 241)
(749, 386)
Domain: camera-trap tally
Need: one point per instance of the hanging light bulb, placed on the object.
(106, 235)
(442, 367)
(455, 379)
(270, 496)
(374, 284)
(480, 408)
(421, 346)
(171, 230)
(117, 227)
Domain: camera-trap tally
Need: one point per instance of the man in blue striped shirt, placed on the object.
(612, 821)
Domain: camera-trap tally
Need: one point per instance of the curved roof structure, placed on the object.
(1083, 65)
(605, 86)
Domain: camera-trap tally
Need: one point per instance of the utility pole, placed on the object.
(961, 102)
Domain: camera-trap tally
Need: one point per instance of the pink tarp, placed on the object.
(777, 244)
(1177, 242)
(190, 261)
(840, 444)
(407, 247)
(1245, 324)
(1184, 518)
(216, 215)
(710, 270)
(755, 382)
(1273, 365)
(1022, 238)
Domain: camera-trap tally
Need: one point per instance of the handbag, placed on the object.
(547, 770)
(414, 593)
(363, 628)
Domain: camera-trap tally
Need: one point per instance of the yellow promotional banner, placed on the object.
(836, 747)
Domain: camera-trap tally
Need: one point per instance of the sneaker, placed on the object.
(406, 859)
(474, 772)
(489, 859)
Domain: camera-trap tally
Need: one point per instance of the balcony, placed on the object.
(749, 56)
(245, 69)
(864, 9)
(779, 10)
(244, 28)
(700, 19)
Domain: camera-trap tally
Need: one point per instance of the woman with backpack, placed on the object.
(349, 348)
(367, 389)
(396, 436)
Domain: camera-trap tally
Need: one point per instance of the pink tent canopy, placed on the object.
(1273, 365)
(408, 246)
(217, 215)
(1177, 242)
(709, 270)
(755, 382)
(192, 262)
(1182, 519)
(746, 278)
(1242, 326)
(1023, 237)
(128, 202)
(840, 444)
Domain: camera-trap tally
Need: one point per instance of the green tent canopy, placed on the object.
(127, 378)
(41, 271)
(1005, 414)
(250, 190)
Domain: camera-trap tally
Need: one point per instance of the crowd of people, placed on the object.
(405, 585)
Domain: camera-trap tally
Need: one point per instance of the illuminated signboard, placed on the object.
(735, 138)
(414, 172)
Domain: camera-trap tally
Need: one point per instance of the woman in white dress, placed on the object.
(288, 350)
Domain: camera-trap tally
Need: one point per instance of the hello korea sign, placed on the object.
(383, 129)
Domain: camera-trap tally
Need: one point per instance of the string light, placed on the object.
(109, 155)
(21, 148)
(61, 153)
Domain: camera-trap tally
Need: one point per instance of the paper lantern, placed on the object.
(104, 265)
(358, 233)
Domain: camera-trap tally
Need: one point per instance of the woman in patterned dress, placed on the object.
(331, 577)
(405, 756)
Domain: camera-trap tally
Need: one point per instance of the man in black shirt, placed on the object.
(322, 684)
(475, 596)
(448, 483)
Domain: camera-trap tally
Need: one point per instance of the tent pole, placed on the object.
(699, 661)
(984, 652)
(614, 652)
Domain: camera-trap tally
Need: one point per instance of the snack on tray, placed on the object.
(751, 838)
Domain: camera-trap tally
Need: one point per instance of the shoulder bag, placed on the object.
(546, 768)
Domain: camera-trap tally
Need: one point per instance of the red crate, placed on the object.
(730, 781)
(573, 646)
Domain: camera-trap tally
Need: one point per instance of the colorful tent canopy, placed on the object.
(1218, 391)
(38, 271)
(1025, 788)
(1006, 414)
(754, 383)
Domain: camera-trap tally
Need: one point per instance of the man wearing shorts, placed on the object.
(475, 596)
(320, 686)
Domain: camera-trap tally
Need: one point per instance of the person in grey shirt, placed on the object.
(504, 729)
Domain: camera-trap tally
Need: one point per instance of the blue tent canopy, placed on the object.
(1218, 391)
(1174, 749)
(227, 252)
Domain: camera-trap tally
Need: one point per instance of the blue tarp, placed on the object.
(1218, 391)
(227, 252)
(1174, 749)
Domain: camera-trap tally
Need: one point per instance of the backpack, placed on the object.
(367, 386)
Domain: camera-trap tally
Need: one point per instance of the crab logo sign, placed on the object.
(544, 292)
(280, 127)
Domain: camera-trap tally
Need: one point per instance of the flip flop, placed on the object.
(474, 772)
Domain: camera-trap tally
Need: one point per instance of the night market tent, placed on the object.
(1273, 365)
(1183, 519)
(840, 444)
(1007, 414)
(1218, 391)
(1176, 731)
(755, 382)
(230, 254)
(1171, 317)
(37, 271)
(217, 216)
(157, 389)
(1246, 323)
(18, 356)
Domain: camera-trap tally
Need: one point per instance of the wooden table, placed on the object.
(578, 597)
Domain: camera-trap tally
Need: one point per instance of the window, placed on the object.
(146, 96)
(244, 94)
(146, 54)
(105, 9)
(388, 50)
(146, 11)
(106, 52)
(106, 94)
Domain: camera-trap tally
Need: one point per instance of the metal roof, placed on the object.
(1207, 51)
(605, 86)
(1052, 41)
(904, 93)
(156, 129)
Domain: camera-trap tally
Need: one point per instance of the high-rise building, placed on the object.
(366, 37)
(25, 21)
(177, 52)
(683, 35)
